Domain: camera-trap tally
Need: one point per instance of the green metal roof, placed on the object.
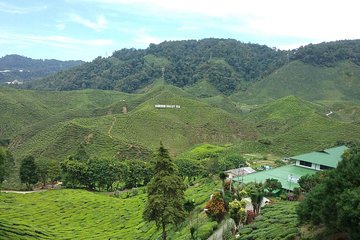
(284, 174)
(329, 157)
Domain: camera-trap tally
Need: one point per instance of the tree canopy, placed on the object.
(165, 203)
(335, 201)
(226, 63)
(28, 172)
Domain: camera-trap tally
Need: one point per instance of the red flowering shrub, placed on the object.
(215, 207)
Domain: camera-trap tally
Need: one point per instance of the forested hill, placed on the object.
(226, 64)
(15, 67)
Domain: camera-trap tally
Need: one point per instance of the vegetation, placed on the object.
(327, 54)
(6, 163)
(28, 172)
(225, 63)
(334, 201)
(277, 221)
(66, 213)
(104, 140)
(165, 204)
(24, 69)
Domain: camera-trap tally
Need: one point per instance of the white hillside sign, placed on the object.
(166, 106)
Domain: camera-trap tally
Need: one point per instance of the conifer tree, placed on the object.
(165, 203)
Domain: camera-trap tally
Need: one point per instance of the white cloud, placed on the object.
(54, 40)
(187, 28)
(9, 8)
(143, 38)
(320, 20)
(97, 25)
(60, 26)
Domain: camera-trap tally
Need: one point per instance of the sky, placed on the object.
(86, 29)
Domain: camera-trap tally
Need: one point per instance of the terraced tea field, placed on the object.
(79, 214)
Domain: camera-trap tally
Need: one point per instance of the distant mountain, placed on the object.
(227, 64)
(223, 66)
(15, 67)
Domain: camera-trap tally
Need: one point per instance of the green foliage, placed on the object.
(48, 170)
(256, 191)
(338, 191)
(189, 168)
(6, 163)
(225, 63)
(205, 231)
(328, 54)
(333, 86)
(308, 182)
(79, 214)
(278, 221)
(272, 184)
(238, 211)
(165, 204)
(139, 173)
(28, 173)
(25, 69)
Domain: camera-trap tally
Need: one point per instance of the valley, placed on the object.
(214, 104)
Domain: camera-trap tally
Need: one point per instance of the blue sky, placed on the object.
(85, 29)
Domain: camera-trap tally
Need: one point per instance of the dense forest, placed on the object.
(15, 67)
(229, 65)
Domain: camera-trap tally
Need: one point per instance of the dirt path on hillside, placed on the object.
(23, 192)
(111, 127)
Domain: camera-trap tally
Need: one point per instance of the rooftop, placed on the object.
(241, 171)
(288, 175)
(329, 157)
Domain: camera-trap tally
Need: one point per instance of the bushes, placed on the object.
(278, 221)
(206, 230)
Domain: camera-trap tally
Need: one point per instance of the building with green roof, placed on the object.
(320, 160)
(289, 175)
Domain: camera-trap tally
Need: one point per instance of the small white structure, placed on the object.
(237, 172)
(14, 82)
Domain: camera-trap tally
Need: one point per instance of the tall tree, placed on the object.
(165, 203)
(28, 174)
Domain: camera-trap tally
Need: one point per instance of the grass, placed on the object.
(79, 214)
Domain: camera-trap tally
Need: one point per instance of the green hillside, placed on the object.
(227, 64)
(52, 124)
(79, 214)
(338, 83)
(58, 122)
(16, 67)
(290, 125)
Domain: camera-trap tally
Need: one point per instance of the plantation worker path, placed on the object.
(111, 127)
(23, 192)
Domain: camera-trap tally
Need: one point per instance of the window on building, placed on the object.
(322, 167)
(306, 164)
